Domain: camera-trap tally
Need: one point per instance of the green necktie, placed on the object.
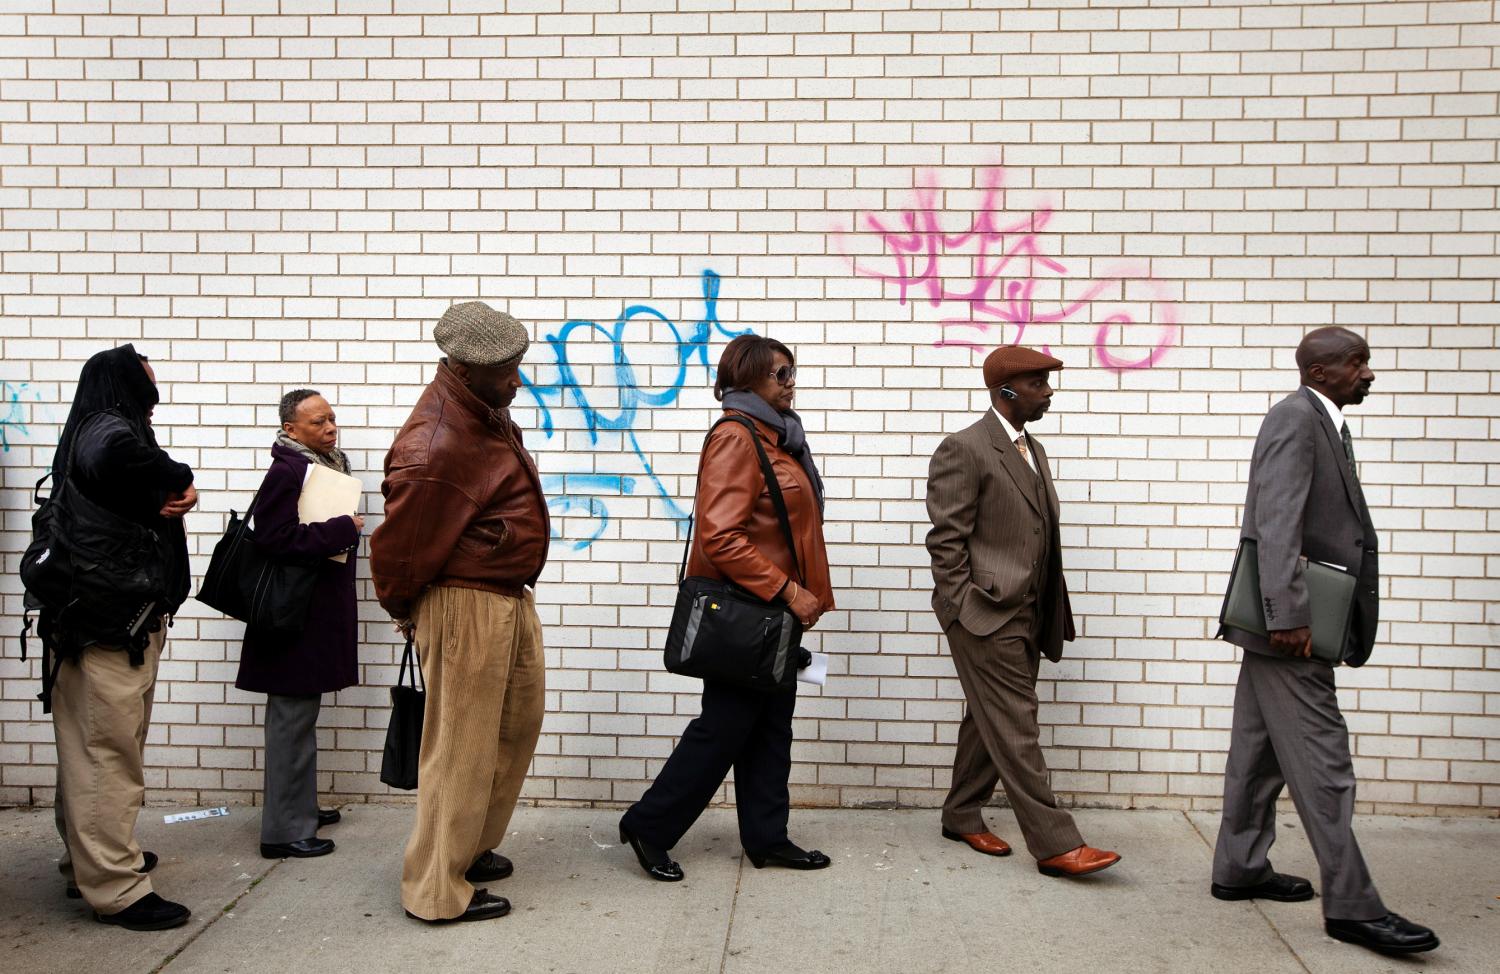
(1349, 451)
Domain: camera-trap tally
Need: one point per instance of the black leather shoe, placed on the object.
(328, 816)
(489, 867)
(790, 856)
(1279, 887)
(150, 912)
(301, 849)
(1391, 934)
(483, 906)
(148, 863)
(658, 864)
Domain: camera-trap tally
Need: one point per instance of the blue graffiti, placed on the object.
(585, 493)
(13, 416)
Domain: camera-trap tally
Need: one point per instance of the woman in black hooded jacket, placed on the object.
(101, 697)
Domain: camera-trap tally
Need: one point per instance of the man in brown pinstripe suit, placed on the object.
(1001, 599)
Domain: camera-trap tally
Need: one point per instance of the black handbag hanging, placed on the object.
(270, 595)
(403, 738)
(723, 633)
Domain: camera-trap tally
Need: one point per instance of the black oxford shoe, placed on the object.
(1279, 887)
(483, 906)
(301, 849)
(150, 912)
(1391, 934)
(658, 865)
(789, 856)
(328, 816)
(489, 867)
(148, 863)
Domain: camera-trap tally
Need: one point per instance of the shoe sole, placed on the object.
(1396, 951)
(1054, 871)
(464, 918)
(955, 837)
(295, 855)
(167, 924)
(1231, 895)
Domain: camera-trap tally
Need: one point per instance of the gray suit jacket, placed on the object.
(988, 531)
(1303, 501)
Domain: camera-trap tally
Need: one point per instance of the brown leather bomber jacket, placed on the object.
(737, 535)
(463, 502)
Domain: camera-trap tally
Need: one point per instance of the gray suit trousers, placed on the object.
(998, 740)
(1288, 730)
(291, 809)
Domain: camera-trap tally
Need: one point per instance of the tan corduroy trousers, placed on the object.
(101, 711)
(482, 661)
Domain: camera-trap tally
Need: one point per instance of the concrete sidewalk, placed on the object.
(898, 898)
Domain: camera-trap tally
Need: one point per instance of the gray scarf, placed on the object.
(334, 459)
(791, 436)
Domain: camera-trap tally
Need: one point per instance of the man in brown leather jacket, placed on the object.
(454, 562)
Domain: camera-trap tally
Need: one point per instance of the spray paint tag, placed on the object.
(219, 812)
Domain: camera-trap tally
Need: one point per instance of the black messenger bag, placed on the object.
(720, 631)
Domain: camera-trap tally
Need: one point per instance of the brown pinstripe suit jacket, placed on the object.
(992, 520)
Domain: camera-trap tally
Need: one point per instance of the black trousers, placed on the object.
(748, 730)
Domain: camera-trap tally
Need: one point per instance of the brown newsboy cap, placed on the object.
(476, 334)
(1009, 361)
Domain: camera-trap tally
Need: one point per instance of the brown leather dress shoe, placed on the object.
(1077, 862)
(986, 842)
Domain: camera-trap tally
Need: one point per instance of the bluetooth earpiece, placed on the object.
(1006, 392)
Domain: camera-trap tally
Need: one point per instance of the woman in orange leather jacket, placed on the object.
(739, 538)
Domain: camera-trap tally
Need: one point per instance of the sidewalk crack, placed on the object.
(733, 904)
(215, 918)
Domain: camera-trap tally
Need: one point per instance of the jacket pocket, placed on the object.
(984, 580)
(485, 536)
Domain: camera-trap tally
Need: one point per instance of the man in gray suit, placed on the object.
(1305, 503)
(1001, 599)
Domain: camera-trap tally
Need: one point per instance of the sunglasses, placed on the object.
(784, 374)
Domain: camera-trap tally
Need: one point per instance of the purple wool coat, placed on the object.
(325, 656)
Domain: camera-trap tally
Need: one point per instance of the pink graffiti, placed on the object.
(1006, 279)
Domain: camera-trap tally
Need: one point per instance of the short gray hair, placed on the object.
(293, 399)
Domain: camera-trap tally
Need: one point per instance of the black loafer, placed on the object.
(489, 867)
(301, 849)
(1279, 887)
(658, 865)
(789, 856)
(328, 816)
(148, 863)
(483, 906)
(150, 912)
(1391, 934)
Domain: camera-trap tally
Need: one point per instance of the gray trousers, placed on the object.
(1288, 731)
(291, 809)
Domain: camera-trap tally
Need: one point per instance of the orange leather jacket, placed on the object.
(737, 536)
(463, 502)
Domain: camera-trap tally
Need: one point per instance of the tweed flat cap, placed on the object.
(477, 334)
(1009, 361)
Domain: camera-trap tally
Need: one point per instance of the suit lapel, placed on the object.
(1336, 441)
(1010, 458)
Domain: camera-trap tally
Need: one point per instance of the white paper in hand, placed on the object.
(328, 494)
(816, 672)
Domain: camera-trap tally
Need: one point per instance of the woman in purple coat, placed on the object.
(295, 672)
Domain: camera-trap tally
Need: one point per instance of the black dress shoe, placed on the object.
(150, 912)
(328, 816)
(658, 864)
(148, 863)
(790, 856)
(489, 867)
(1279, 887)
(301, 849)
(482, 907)
(1391, 934)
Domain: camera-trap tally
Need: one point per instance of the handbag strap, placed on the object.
(772, 485)
(409, 658)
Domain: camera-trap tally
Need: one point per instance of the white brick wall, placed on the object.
(270, 193)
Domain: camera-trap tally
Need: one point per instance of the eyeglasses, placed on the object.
(784, 374)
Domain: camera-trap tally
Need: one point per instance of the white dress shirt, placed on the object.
(1030, 455)
(1333, 411)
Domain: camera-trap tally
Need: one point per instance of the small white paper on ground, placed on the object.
(815, 672)
(219, 812)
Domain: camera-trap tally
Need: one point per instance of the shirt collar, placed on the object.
(1015, 434)
(1334, 413)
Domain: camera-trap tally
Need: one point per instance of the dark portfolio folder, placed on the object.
(1330, 596)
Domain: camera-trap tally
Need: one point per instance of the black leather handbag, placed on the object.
(270, 595)
(720, 631)
(403, 738)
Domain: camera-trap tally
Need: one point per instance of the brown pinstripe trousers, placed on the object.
(482, 661)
